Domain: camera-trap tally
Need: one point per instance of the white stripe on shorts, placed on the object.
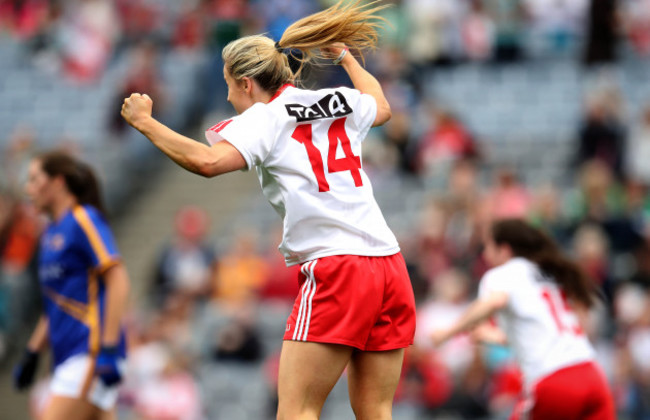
(307, 292)
(303, 293)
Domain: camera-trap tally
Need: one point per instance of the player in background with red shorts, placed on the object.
(537, 296)
(355, 307)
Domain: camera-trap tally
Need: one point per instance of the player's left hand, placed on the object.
(136, 108)
(107, 368)
(332, 51)
(25, 370)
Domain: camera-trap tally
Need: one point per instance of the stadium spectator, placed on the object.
(241, 273)
(238, 340)
(280, 285)
(449, 296)
(601, 136)
(187, 265)
(557, 24)
(143, 75)
(591, 251)
(602, 24)
(509, 197)
(598, 196)
(425, 381)
(478, 32)
(24, 19)
(547, 212)
(509, 27)
(89, 32)
(637, 151)
(636, 22)
(20, 229)
(446, 141)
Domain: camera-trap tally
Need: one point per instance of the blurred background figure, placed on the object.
(241, 274)
(188, 263)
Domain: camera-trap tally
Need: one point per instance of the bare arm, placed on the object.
(194, 156)
(38, 339)
(491, 334)
(117, 284)
(364, 82)
(479, 311)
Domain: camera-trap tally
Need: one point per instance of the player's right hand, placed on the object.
(25, 370)
(136, 108)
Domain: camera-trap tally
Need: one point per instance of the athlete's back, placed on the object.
(542, 328)
(306, 147)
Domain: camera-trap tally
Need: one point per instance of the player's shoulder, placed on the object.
(86, 215)
(293, 93)
(515, 268)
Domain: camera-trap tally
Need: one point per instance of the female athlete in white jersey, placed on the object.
(356, 306)
(536, 294)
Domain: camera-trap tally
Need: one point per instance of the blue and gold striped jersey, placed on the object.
(75, 251)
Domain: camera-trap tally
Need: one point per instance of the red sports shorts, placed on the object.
(357, 301)
(578, 392)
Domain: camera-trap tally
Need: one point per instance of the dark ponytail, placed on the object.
(79, 177)
(534, 245)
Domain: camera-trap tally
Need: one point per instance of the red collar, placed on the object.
(279, 92)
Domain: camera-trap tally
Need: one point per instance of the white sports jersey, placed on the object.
(542, 329)
(306, 148)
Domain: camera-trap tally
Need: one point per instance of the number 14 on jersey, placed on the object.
(336, 134)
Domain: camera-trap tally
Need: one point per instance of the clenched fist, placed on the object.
(137, 108)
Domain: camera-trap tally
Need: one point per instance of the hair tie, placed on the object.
(278, 48)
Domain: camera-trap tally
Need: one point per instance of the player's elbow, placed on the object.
(384, 114)
(207, 168)
(220, 159)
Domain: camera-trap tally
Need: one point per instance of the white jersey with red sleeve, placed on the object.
(542, 329)
(306, 148)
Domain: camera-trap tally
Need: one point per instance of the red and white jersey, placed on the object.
(306, 148)
(542, 329)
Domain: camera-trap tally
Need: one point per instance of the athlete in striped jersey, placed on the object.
(85, 289)
(356, 306)
(537, 295)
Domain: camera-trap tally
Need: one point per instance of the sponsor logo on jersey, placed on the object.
(50, 272)
(331, 106)
(55, 242)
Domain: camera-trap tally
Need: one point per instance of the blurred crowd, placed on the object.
(210, 304)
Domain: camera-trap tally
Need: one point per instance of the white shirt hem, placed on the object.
(331, 252)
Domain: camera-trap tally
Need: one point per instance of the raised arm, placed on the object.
(480, 310)
(194, 156)
(364, 82)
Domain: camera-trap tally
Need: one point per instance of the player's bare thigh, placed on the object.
(66, 408)
(373, 377)
(308, 372)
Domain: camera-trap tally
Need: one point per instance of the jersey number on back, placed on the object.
(335, 134)
(560, 311)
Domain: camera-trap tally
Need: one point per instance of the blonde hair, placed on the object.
(257, 57)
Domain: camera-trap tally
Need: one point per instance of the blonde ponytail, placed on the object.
(257, 57)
